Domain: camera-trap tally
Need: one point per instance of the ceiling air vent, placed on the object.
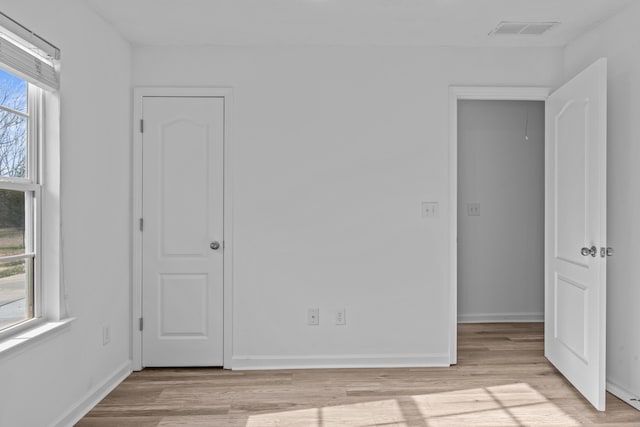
(525, 28)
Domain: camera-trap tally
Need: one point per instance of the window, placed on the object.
(19, 194)
(28, 82)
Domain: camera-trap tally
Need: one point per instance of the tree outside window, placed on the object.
(16, 264)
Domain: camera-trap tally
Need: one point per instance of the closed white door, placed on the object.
(182, 238)
(576, 235)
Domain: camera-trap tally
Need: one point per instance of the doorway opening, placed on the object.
(500, 211)
(501, 217)
(497, 203)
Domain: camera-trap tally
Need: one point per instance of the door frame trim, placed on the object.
(139, 93)
(456, 93)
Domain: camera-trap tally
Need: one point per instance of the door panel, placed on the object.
(182, 301)
(182, 176)
(572, 180)
(575, 284)
(183, 305)
(571, 300)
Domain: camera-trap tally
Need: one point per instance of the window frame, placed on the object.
(31, 186)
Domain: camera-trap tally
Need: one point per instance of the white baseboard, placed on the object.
(500, 317)
(81, 408)
(342, 361)
(624, 394)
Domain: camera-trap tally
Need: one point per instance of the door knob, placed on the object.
(215, 246)
(593, 251)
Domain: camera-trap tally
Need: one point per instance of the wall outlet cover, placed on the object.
(473, 209)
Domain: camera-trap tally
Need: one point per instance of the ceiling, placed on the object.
(349, 22)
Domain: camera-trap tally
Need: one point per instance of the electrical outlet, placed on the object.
(313, 317)
(473, 209)
(430, 210)
(341, 316)
(106, 334)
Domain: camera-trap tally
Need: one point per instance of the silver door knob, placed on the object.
(593, 251)
(215, 246)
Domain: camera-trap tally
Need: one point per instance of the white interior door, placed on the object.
(182, 253)
(575, 278)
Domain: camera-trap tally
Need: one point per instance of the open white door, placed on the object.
(576, 233)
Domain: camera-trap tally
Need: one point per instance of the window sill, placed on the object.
(32, 336)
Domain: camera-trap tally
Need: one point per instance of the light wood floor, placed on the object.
(502, 379)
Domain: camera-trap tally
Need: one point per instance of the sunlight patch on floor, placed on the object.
(512, 404)
(506, 405)
(380, 412)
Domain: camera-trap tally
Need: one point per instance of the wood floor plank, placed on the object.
(502, 379)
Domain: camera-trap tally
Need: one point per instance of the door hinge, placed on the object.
(141, 323)
(141, 224)
(141, 126)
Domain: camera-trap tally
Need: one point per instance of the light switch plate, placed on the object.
(430, 210)
(313, 317)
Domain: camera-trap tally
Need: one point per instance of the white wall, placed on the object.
(333, 151)
(501, 251)
(618, 39)
(41, 384)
